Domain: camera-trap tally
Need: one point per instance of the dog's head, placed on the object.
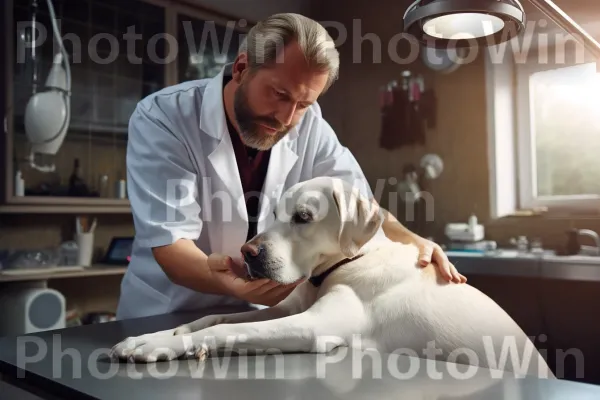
(316, 221)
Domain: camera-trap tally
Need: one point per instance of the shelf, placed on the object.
(54, 209)
(97, 270)
(64, 205)
(68, 201)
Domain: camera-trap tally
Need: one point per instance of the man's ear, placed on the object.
(359, 219)
(239, 68)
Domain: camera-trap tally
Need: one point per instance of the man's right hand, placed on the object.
(262, 291)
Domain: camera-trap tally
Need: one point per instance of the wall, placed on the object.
(352, 107)
(460, 138)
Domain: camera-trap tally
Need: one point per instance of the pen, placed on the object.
(93, 227)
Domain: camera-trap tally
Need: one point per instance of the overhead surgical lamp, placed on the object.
(48, 112)
(464, 23)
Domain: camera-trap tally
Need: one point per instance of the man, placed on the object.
(207, 161)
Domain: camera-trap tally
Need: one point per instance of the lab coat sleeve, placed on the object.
(161, 182)
(335, 160)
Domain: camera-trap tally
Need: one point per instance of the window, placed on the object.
(544, 136)
(560, 138)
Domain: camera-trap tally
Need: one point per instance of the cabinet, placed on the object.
(120, 51)
(204, 47)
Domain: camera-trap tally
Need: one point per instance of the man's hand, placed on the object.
(430, 252)
(262, 291)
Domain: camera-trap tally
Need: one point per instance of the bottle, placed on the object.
(121, 189)
(521, 243)
(19, 184)
(103, 186)
(76, 184)
(472, 223)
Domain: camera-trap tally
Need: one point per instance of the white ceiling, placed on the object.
(585, 13)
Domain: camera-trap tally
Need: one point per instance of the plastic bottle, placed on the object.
(472, 222)
(19, 184)
(121, 189)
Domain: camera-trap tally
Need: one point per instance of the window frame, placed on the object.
(526, 156)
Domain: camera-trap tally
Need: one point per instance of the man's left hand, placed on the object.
(430, 252)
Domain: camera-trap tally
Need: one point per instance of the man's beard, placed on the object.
(249, 124)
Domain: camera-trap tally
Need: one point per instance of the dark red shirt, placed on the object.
(252, 166)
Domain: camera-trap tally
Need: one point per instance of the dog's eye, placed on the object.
(302, 217)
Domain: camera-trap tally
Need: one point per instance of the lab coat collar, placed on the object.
(212, 114)
(282, 159)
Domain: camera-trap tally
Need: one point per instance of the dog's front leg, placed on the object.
(297, 301)
(125, 348)
(234, 318)
(296, 333)
(320, 329)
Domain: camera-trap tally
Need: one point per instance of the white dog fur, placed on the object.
(380, 294)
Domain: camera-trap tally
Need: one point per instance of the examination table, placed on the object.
(73, 363)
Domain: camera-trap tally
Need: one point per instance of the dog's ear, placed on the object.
(359, 219)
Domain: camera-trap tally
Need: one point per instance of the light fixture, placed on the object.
(48, 111)
(464, 23)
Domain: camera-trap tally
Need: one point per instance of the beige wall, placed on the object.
(460, 137)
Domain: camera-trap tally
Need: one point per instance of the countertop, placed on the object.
(512, 263)
(73, 363)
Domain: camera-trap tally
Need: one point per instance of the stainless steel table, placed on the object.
(73, 363)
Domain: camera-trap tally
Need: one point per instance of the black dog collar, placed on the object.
(318, 279)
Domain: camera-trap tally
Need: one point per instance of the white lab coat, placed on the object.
(178, 139)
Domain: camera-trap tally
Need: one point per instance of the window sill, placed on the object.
(544, 213)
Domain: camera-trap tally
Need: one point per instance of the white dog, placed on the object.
(358, 284)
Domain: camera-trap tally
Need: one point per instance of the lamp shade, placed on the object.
(464, 23)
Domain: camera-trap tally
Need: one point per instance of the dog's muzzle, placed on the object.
(254, 262)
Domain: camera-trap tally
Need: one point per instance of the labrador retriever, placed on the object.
(361, 290)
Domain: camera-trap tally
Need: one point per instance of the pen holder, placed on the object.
(85, 248)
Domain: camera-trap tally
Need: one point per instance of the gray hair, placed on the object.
(268, 37)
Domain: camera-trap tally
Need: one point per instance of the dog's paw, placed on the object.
(202, 353)
(161, 346)
(157, 349)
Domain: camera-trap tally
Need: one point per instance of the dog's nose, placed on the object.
(250, 251)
